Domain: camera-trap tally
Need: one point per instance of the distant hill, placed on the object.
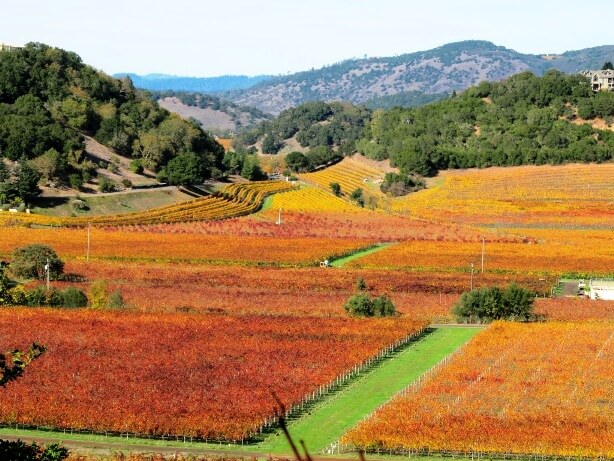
(213, 114)
(455, 66)
(163, 82)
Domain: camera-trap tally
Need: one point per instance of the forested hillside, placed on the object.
(332, 125)
(49, 99)
(523, 120)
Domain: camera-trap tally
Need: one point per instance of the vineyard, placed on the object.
(578, 195)
(127, 245)
(518, 389)
(223, 301)
(542, 256)
(234, 200)
(196, 376)
(350, 174)
(237, 290)
(311, 199)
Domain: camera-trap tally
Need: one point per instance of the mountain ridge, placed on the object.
(450, 67)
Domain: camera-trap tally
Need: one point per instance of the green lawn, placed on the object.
(343, 410)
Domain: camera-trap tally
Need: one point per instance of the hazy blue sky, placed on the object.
(208, 38)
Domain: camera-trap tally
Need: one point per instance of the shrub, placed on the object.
(73, 297)
(113, 168)
(98, 294)
(29, 262)
(106, 185)
(19, 450)
(79, 205)
(397, 184)
(383, 307)
(136, 166)
(116, 300)
(40, 297)
(362, 305)
(493, 303)
(127, 183)
(359, 305)
(335, 187)
(358, 197)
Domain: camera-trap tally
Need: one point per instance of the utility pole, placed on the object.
(87, 255)
(279, 218)
(482, 254)
(47, 270)
(471, 286)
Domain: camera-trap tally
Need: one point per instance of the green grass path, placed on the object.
(343, 410)
(359, 254)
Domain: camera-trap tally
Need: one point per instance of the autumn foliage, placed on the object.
(516, 388)
(202, 376)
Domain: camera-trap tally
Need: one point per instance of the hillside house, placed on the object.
(601, 80)
(5, 47)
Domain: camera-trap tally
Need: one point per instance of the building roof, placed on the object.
(607, 73)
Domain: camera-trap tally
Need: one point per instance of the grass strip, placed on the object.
(344, 409)
(359, 254)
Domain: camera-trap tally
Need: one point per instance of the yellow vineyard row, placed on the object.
(349, 174)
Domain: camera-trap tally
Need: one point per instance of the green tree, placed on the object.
(493, 303)
(26, 185)
(297, 162)
(358, 197)
(251, 168)
(4, 171)
(29, 262)
(186, 169)
(608, 66)
(359, 305)
(106, 184)
(271, 145)
(383, 307)
(335, 187)
(73, 297)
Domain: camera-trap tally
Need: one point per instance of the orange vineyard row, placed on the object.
(125, 244)
(516, 388)
(578, 195)
(202, 376)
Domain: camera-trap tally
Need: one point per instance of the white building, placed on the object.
(601, 80)
(601, 289)
(5, 47)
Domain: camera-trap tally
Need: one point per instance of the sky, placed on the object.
(241, 37)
